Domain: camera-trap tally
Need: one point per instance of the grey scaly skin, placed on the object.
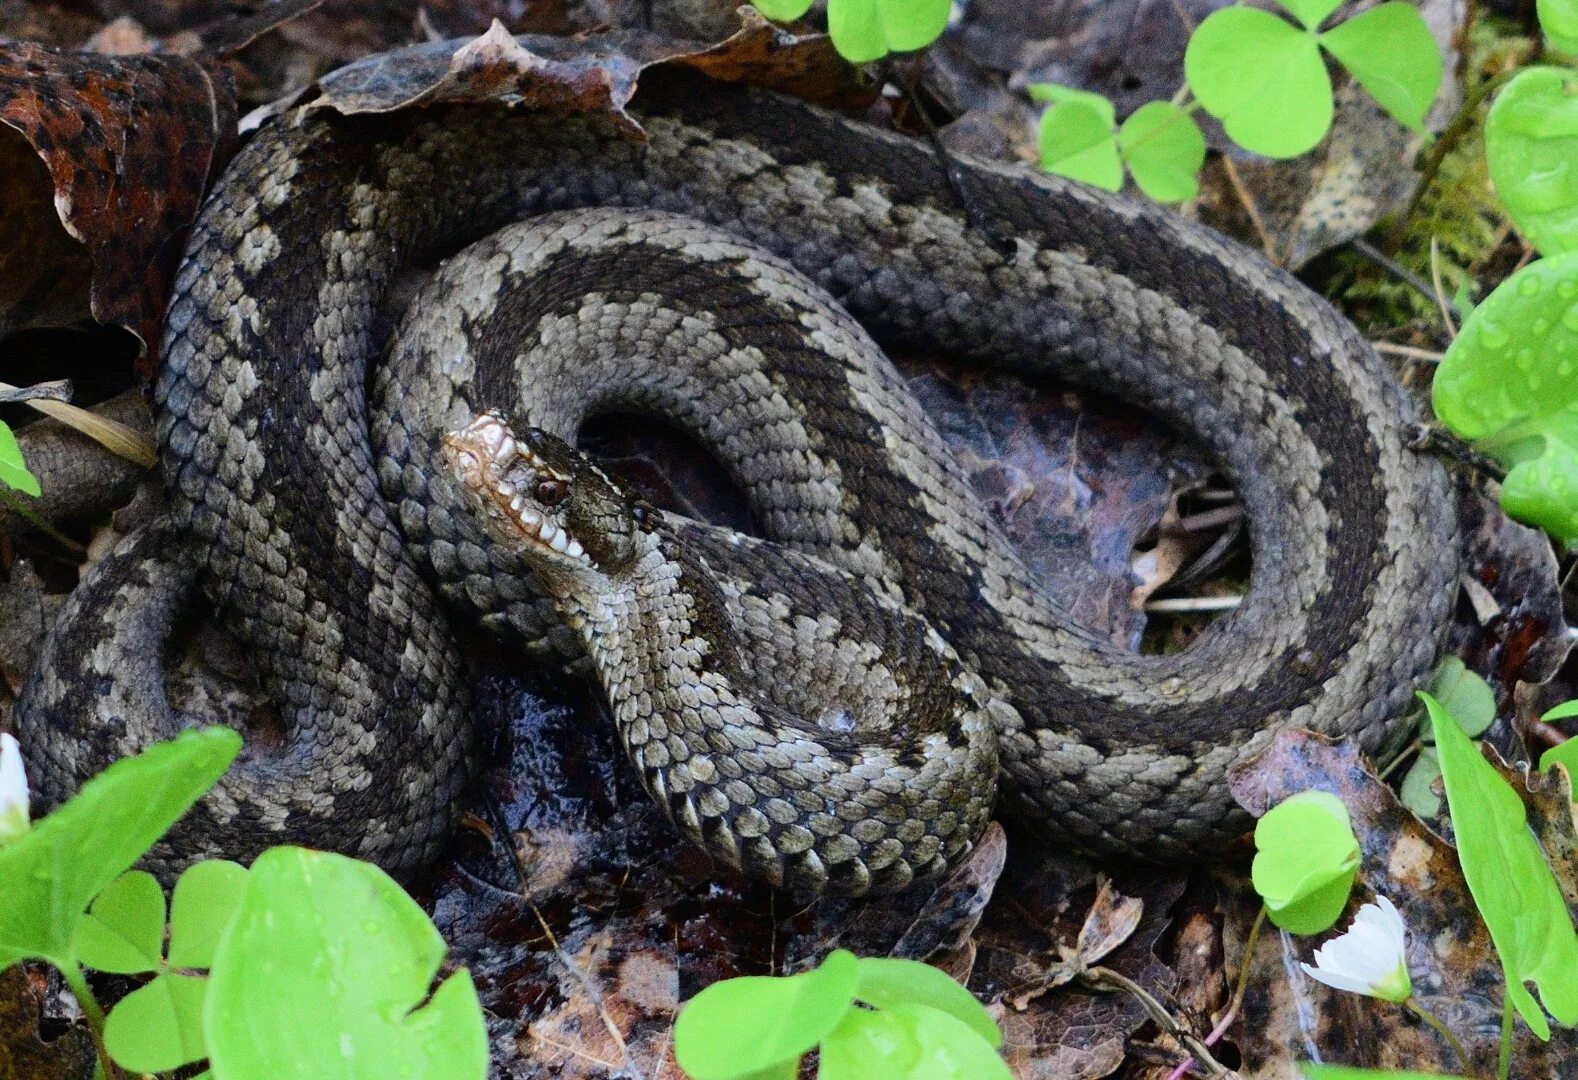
(275, 482)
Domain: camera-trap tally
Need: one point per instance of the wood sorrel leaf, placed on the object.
(1509, 382)
(1390, 51)
(1531, 146)
(745, 1025)
(324, 972)
(123, 932)
(49, 876)
(1263, 77)
(1306, 860)
(1164, 150)
(1513, 887)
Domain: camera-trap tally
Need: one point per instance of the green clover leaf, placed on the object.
(205, 900)
(1509, 382)
(746, 1025)
(1390, 51)
(949, 1048)
(1531, 146)
(1266, 79)
(49, 876)
(1164, 150)
(869, 1044)
(1306, 860)
(1559, 20)
(13, 470)
(1263, 77)
(1075, 138)
(123, 933)
(886, 982)
(327, 960)
(1565, 753)
(865, 30)
(1507, 875)
(158, 1027)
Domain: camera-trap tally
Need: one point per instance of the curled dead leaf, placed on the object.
(130, 144)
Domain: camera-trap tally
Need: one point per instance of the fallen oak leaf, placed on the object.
(597, 73)
(130, 144)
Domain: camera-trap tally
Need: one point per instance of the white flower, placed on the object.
(13, 791)
(1371, 958)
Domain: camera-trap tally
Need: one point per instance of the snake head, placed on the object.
(545, 499)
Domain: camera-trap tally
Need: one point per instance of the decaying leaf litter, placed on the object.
(585, 942)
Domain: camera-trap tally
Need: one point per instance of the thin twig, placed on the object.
(1250, 208)
(1461, 124)
(1426, 355)
(1440, 292)
(1440, 1029)
(33, 518)
(1184, 604)
(1240, 986)
(1102, 978)
(1433, 440)
(1393, 267)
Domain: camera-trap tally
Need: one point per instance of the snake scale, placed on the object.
(890, 652)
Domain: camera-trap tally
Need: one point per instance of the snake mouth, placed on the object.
(502, 471)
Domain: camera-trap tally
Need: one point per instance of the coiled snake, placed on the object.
(850, 747)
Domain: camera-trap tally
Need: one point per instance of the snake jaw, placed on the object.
(500, 472)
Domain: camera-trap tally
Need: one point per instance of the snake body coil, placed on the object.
(317, 532)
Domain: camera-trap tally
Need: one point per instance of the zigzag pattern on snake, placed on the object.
(339, 547)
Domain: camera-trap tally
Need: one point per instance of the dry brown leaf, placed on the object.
(130, 144)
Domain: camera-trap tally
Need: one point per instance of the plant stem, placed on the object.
(95, 1016)
(1504, 1058)
(14, 504)
(1413, 1006)
(1101, 978)
(1238, 993)
(1451, 135)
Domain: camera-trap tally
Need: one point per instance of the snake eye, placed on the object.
(551, 492)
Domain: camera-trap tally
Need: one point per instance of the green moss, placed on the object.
(1459, 212)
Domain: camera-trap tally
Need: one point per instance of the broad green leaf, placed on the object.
(869, 1045)
(743, 1025)
(323, 972)
(1057, 94)
(1305, 862)
(1510, 383)
(204, 901)
(1263, 77)
(49, 876)
(13, 470)
(1566, 752)
(1513, 887)
(911, 24)
(864, 30)
(1559, 20)
(1390, 51)
(783, 10)
(1466, 695)
(123, 932)
(886, 982)
(1164, 150)
(1417, 791)
(158, 1027)
(1313, 1071)
(1531, 146)
(1311, 12)
(1076, 141)
(949, 1048)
